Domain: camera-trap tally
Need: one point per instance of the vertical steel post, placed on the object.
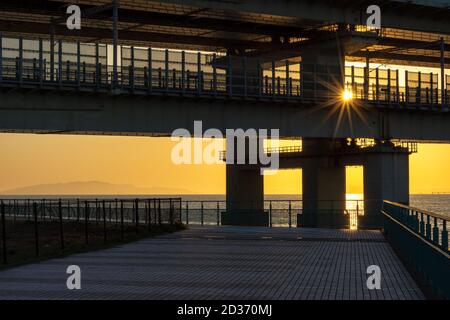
(273, 76)
(150, 70)
(52, 53)
(444, 236)
(260, 76)
(59, 62)
(288, 89)
(121, 219)
(431, 88)
(104, 221)
(36, 230)
(199, 73)
(131, 73)
(201, 214)
(78, 64)
(397, 83)
(61, 227)
(270, 213)
(159, 212)
(290, 214)
(214, 74)
(218, 213)
(2, 212)
(377, 84)
(367, 77)
(187, 212)
(136, 208)
(41, 60)
(1, 57)
(389, 85)
(20, 60)
(166, 70)
(442, 71)
(183, 71)
(149, 215)
(407, 86)
(115, 16)
(86, 222)
(97, 66)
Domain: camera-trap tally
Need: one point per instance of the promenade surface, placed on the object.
(224, 263)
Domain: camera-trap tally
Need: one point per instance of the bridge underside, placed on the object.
(34, 111)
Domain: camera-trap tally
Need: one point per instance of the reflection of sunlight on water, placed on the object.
(354, 206)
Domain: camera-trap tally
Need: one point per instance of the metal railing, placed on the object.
(421, 238)
(80, 220)
(281, 213)
(80, 66)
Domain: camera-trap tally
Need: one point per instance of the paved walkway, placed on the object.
(224, 263)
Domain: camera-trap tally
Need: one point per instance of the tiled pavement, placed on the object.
(224, 263)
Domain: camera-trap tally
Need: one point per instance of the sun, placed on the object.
(347, 95)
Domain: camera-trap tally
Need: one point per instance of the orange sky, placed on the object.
(145, 162)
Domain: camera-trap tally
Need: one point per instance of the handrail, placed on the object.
(432, 214)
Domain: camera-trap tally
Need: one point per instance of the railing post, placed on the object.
(104, 221)
(121, 220)
(435, 231)
(389, 85)
(41, 60)
(187, 212)
(136, 208)
(201, 214)
(36, 229)
(20, 60)
(273, 76)
(290, 212)
(4, 252)
(377, 85)
(183, 72)
(406, 86)
(397, 84)
(150, 70)
(218, 213)
(422, 225)
(149, 215)
(78, 64)
(442, 71)
(97, 66)
(1, 57)
(288, 90)
(86, 222)
(166, 70)
(444, 244)
(270, 213)
(428, 227)
(214, 74)
(131, 73)
(60, 63)
(61, 227)
(159, 212)
(199, 72)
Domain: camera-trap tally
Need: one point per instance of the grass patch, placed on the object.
(21, 239)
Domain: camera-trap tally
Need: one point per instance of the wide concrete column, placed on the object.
(386, 177)
(244, 190)
(323, 186)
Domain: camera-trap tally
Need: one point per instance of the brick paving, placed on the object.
(224, 263)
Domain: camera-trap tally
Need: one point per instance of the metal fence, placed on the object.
(85, 220)
(84, 66)
(421, 238)
(281, 213)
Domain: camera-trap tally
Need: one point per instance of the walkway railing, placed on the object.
(281, 213)
(84, 66)
(65, 222)
(421, 238)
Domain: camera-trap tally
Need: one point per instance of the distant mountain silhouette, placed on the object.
(91, 188)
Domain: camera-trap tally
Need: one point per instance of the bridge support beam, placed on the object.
(386, 177)
(323, 186)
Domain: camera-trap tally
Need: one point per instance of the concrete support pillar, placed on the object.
(386, 177)
(244, 192)
(323, 186)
